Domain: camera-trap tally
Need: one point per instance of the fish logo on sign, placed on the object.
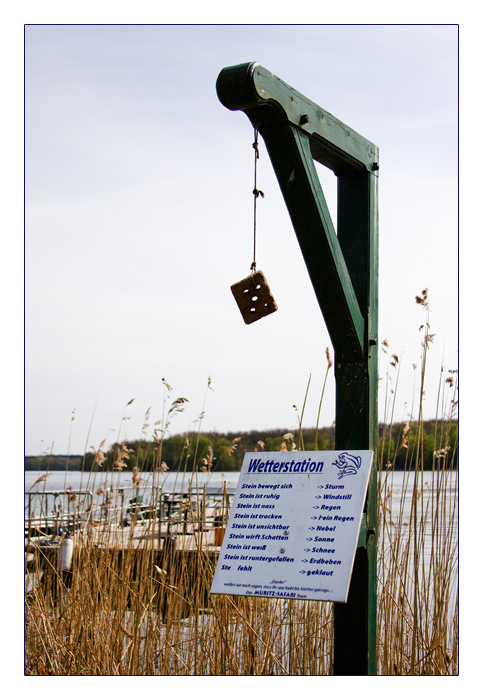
(347, 464)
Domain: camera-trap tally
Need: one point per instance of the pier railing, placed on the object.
(51, 513)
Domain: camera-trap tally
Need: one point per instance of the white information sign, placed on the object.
(294, 525)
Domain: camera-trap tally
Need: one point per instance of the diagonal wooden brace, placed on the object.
(296, 131)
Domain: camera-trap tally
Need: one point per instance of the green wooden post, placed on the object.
(343, 268)
(357, 420)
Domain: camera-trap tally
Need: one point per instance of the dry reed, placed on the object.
(148, 611)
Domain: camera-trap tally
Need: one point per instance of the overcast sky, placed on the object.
(139, 218)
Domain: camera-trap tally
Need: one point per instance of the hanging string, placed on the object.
(256, 194)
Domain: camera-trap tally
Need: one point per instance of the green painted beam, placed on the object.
(290, 148)
(289, 152)
(250, 87)
(362, 539)
(343, 268)
(355, 622)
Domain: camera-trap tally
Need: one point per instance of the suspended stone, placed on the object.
(254, 298)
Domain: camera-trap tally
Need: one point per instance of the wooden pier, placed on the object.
(171, 545)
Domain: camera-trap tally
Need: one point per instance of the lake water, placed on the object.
(437, 502)
(399, 483)
(57, 481)
(437, 511)
(437, 508)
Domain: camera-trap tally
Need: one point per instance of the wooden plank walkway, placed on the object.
(152, 535)
(140, 536)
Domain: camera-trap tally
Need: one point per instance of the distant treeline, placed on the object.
(400, 446)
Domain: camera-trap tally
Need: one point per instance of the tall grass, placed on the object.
(148, 610)
(418, 556)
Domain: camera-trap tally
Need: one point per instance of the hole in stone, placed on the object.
(252, 311)
(246, 291)
(254, 298)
